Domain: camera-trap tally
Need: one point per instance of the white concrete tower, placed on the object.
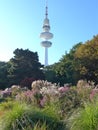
(46, 35)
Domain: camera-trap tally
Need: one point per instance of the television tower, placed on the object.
(46, 35)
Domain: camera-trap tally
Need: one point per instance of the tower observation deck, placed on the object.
(46, 36)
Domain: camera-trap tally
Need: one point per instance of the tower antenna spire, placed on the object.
(46, 9)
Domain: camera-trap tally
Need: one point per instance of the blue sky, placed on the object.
(71, 21)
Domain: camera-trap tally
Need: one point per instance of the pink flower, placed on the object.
(42, 102)
(63, 89)
(6, 93)
(93, 92)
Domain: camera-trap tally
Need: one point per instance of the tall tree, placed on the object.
(87, 59)
(64, 70)
(25, 64)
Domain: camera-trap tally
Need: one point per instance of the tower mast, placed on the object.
(46, 35)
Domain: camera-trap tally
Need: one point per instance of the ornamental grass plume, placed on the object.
(32, 97)
(26, 96)
(84, 89)
(5, 93)
(47, 90)
(50, 90)
(63, 89)
(41, 83)
(15, 89)
(43, 101)
(69, 101)
(94, 94)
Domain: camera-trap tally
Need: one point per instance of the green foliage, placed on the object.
(3, 75)
(38, 126)
(2, 99)
(85, 118)
(10, 116)
(80, 63)
(7, 105)
(50, 75)
(64, 71)
(25, 64)
(50, 117)
(22, 116)
(87, 60)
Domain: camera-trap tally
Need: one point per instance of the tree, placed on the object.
(24, 65)
(64, 71)
(87, 60)
(3, 75)
(50, 73)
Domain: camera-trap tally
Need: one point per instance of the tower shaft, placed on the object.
(46, 56)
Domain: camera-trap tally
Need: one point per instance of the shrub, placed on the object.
(27, 82)
(41, 83)
(49, 116)
(7, 105)
(84, 89)
(22, 116)
(85, 118)
(69, 101)
(25, 97)
(10, 117)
